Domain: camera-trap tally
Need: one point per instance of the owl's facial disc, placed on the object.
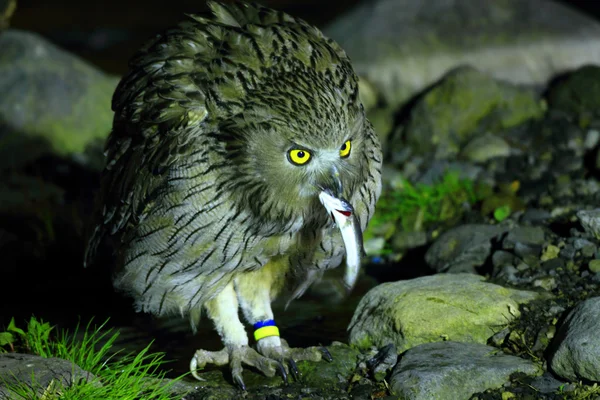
(343, 215)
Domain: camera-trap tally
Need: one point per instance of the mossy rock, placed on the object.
(463, 104)
(458, 307)
(578, 94)
(52, 101)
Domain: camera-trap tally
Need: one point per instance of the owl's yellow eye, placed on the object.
(345, 149)
(298, 156)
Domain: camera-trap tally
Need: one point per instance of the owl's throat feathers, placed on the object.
(343, 215)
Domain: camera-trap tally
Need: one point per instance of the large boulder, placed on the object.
(402, 46)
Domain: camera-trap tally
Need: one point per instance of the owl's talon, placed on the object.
(194, 369)
(282, 372)
(326, 354)
(236, 357)
(203, 357)
(239, 381)
(294, 369)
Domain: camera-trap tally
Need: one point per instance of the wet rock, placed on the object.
(483, 148)
(384, 360)
(438, 168)
(38, 372)
(459, 307)
(499, 338)
(546, 383)
(547, 283)
(525, 242)
(568, 252)
(407, 240)
(550, 253)
(535, 215)
(511, 40)
(578, 94)
(465, 103)
(324, 374)
(553, 264)
(527, 235)
(576, 348)
(590, 220)
(464, 248)
(501, 258)
(594, 266)
(588, 250)
(52, 101)
(452, 370)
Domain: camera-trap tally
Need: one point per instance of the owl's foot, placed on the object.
(236, 356)
(277, 348)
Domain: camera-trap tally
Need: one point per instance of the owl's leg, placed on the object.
(223, 310)
(255, 291)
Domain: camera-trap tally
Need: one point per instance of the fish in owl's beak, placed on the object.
(344, 217)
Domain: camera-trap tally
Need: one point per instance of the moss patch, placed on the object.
(463, 104)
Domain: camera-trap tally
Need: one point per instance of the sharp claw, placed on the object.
(281, 370)
(239, 381)
(326, 353)
(294, 368)
(194, 369)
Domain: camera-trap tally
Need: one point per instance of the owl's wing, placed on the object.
(163, 102)
(182, 85)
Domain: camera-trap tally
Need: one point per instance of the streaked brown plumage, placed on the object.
(201, 192)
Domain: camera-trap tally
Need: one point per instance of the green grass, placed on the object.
(413, 207)
(118, 376)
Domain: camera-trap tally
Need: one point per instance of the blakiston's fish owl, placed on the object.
(240, 161)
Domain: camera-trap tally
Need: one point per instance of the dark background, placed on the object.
(108, 32)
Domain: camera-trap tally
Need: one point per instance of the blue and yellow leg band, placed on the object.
(263, 329)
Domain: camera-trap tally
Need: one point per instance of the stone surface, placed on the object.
(52, 101)
(578, 94)
(590, 220)
(485, 147)
(463, 248)
(594, 266)
(464, 105)
(402, 46)
(454, 371)
(526, 235)
(547, 383)
(19, 368)
(576, 347)
(459, 307)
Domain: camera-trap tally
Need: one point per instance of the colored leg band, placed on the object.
(267, 322)
(263, 329)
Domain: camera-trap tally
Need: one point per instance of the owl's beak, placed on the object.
(343, 215)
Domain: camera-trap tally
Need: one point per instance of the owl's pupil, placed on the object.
(301, 154)
(343, 147)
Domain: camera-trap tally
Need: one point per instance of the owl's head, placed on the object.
(295, 140)
(300, 156)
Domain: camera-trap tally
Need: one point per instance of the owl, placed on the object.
(240, 163)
